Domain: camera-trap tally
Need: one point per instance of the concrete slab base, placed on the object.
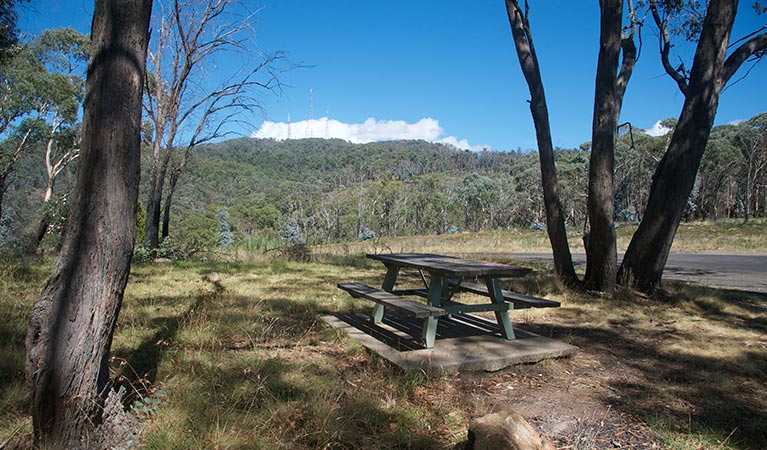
(464, 343)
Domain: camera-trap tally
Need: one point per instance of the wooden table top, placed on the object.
(450, 265)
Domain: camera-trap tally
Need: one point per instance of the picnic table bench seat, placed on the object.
(520, 301)
(401, 305)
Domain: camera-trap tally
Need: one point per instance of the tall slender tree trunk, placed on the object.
(71, 327)
(9, 167)
(555, 222)
(674, 177)
(601, 251)
(151, 238)
(174, 176)
(154, 209)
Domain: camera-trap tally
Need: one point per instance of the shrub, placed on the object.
(291, 232)
(537, 225)
(297, 253)
(366, 234)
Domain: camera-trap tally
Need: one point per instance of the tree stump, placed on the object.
(505, 430)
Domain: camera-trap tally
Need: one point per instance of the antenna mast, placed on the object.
(289, 125)
(309, 121)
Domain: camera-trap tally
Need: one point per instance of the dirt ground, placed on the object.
(570, 401)
(596, 399)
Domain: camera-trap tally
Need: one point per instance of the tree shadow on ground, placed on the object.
(273, 395)
(747, 301)
(139, 367)
(720, 394)
(279, 403)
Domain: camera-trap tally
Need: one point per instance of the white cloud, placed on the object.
(658, 130)
(370, 130)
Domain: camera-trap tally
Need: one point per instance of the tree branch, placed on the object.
(754, 46)
(679, 74)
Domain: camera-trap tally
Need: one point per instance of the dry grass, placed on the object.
(232, 355)
(725, 236)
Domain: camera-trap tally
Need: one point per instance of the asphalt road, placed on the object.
(742, 272)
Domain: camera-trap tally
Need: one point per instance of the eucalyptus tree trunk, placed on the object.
(174, 176)
(601, 250)
(674, 177)
(151, 235)
(555, 222)
(10, 166)
(154, 200)
(71, 326)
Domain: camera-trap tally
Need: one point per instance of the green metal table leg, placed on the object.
(378, 311)
(391, 277)
(429, 333)
(494, 288)
(436, 286)
(388, 284)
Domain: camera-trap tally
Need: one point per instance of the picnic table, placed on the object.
(448, 276)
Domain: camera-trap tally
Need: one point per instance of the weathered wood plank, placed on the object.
(520, 301)
(402, 305)
(419, 292)
(450, 266)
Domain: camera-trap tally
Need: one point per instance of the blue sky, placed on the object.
(442, 70)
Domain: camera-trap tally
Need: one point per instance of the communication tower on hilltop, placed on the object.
(288, 125)
(309, 120)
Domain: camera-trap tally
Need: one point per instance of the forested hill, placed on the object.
(255, 171)
(328, 190)
(322, 190)
(317, 190)
(329, 159)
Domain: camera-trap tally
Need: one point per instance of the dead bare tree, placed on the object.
(191, 36)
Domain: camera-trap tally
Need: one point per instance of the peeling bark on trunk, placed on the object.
(71, 326)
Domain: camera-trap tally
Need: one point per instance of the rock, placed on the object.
(505, 430)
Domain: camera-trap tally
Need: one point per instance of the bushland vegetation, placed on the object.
(317, 191)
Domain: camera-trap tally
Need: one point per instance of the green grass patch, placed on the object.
(233, 355)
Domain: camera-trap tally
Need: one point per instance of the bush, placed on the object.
(538, 225)
(366, 234)
(628, 214)
(291, 233)
(225, 237)
(141, 254)
(297, 253)
(168, 248)
(5, 230)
